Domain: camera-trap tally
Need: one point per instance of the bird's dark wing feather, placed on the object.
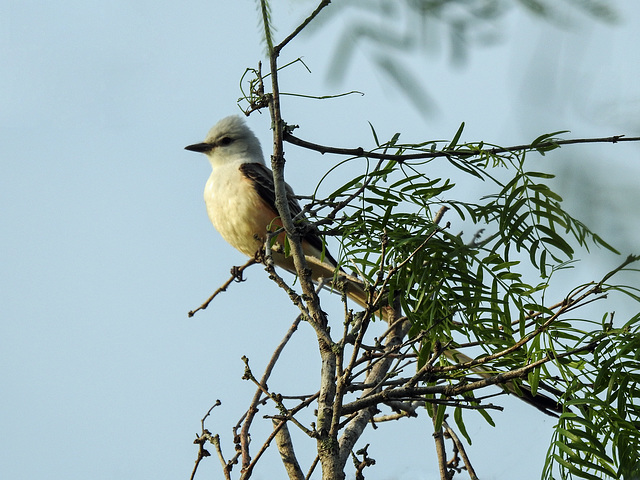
(263, 182)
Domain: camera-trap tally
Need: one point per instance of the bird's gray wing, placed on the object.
(263, 182)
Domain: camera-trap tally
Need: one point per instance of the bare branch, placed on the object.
(236, 276)
(287, 454)
(251, 412)
(407, 392)
(226, 466)
(403, 409)
(300, 27)
(438, 436)
(362, 464)
(312, 468)
(460, 448)
(357, 424)
(214, 440)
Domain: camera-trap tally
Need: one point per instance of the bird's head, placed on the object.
(230, 141)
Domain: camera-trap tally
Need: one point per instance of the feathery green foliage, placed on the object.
(488, 289)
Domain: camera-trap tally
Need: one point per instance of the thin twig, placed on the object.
(312, 468)
(300, 27)
(460, 447)
(378, 372)
(403, 409)
(247, 418)
(277, 399)
(248, 470)
(236, 275)
(226, 466)
(202, 439)
(361, 152)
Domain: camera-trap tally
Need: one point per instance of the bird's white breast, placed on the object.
(236, 210)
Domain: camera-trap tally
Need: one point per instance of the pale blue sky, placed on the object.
(106, 246)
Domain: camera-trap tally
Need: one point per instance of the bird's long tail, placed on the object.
(543, 403)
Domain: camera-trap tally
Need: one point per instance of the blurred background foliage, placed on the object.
(391, 32)
(556, 87)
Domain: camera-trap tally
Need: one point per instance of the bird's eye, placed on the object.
(224, 141)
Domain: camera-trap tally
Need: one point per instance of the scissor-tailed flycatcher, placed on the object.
(240, 199)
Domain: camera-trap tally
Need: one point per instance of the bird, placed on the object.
(240, 201)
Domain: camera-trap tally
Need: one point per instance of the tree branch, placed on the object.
(409, 392)
(460, 448)
(214, 440)
(251, 412)
(438, 436)
(236, 275)
(356, 426)
(327, 445)
(300, 27)
(287, 454)
(361, 152)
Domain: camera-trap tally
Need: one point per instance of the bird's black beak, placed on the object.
(199, 147)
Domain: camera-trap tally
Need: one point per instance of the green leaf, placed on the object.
(545, 143)
(540, 175)
(347, 186)
(487, 417)
(441, 409)
(457, 416)
(375, 135)
(456, 138)
(534, 380)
